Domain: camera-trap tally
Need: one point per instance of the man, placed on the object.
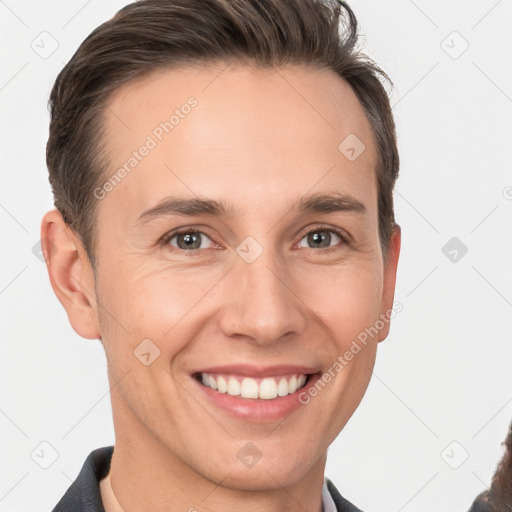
(223, 175)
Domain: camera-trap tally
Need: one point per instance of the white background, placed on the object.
(444, 373)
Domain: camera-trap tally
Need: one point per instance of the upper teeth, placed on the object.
(247, 387)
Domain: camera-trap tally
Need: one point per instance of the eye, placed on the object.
(186, 240)
(190, 240)
(321, 238)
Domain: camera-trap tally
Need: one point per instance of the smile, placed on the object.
(252, 393)
(267, 388)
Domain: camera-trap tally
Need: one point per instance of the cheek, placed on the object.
(156, 312)
(346, 300)
(149, 301)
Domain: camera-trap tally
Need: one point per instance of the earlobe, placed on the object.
(71, 275)
(389, 281)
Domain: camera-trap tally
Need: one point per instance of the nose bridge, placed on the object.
(262, 305)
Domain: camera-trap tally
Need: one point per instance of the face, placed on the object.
(238, 260)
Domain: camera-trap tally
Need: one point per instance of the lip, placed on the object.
(252, 409)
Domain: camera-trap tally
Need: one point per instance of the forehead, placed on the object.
(237, 130)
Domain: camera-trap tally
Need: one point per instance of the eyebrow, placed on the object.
(317, 203)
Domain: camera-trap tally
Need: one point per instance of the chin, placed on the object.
(264, 477)
(278, 469)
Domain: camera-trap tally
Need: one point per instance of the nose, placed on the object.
(262, 304)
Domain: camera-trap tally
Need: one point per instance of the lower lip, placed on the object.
(257, 410)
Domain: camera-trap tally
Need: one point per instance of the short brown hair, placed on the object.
(158, 34)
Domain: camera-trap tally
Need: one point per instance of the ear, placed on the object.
(71, 274)
(389, 279)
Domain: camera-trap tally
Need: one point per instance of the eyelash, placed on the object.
(192, 252)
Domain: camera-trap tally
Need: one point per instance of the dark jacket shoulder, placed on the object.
(84, 494)
(342, 504)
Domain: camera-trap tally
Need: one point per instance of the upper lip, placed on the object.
(258, 371)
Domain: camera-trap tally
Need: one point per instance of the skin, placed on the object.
(259, 139)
